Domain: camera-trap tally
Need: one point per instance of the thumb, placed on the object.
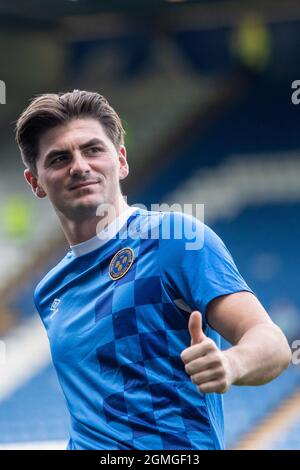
(195, 327)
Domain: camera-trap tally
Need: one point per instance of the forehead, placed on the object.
(72, 134)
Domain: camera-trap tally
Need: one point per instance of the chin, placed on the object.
(89, 203)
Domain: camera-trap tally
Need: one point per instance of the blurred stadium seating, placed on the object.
(209, 120)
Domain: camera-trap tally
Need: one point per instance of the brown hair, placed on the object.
(49, 110)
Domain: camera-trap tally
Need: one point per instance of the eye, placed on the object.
(93, 150)
(59, 159)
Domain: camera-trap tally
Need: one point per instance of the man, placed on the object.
(139, 365)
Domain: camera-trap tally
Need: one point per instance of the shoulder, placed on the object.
(169, 222)
(187, 233)
(176, 231)
(52, 278)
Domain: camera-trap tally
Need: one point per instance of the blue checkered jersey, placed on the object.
(116, 311)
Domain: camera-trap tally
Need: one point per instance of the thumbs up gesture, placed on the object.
(207, 366)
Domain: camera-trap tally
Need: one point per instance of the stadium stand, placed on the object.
(254, 215)
(243, 165)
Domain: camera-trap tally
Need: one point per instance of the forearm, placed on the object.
(261, 355)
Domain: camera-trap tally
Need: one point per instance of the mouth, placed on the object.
(83, 185)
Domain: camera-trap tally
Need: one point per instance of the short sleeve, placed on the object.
(195, 264)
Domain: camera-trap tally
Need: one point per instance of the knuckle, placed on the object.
(210, 343)
(223, 387)
(221, 373)
(183, 357)
(216, 357)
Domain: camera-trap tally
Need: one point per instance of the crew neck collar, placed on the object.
(106, 234)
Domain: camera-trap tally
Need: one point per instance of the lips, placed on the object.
(83, 184)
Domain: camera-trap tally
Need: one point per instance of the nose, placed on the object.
(79, 165)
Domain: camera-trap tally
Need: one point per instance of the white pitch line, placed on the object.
(39, 445)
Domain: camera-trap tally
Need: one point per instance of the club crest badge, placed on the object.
(121, 263)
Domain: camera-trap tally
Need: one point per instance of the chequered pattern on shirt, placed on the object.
(151, 401)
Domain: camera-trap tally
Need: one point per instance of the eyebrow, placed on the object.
(55, 152)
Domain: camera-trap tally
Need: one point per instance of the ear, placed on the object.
(34, 183)
(123, 165)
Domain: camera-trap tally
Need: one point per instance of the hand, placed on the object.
(208, 367)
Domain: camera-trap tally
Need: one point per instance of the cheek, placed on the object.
(54, 187)
(110, 169)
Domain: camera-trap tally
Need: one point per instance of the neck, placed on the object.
(78, 231)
